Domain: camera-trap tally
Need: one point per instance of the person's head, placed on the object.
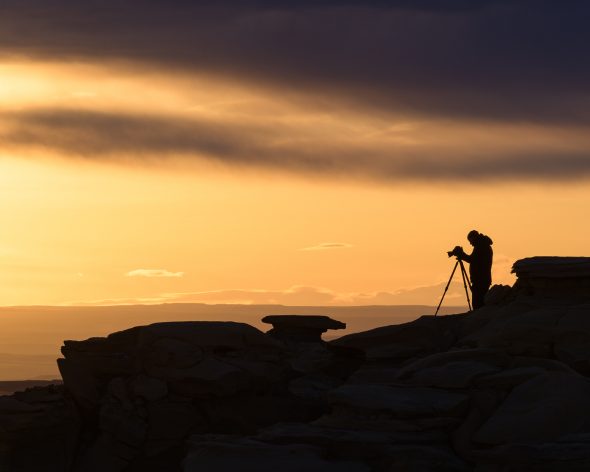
(472, 237)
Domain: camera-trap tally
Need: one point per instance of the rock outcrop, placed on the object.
(554, 276)
(503, 388)
(145, 390)
(39, 430)
(307, 328)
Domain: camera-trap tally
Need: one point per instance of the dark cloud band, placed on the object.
(154, 138)
(509, 61)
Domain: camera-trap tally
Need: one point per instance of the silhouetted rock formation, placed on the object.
(301, 328)
(554, 276)
(504, 388)
(140, 393)
(39, 430)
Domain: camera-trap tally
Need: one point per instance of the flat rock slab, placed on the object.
(208, 334)
(552, 267)
(367, 374)
(543, 409)
(350, 439)
(459, 374)
(205, 334)
(509, 378)
(453, 369)
(10, 405)
(301, 327)
(246, 455)
(426, 335)
(571, 456)
(492, 357)
(528, 334)
(423, 458)
(381, 420)
(304, 321)
(402, 402)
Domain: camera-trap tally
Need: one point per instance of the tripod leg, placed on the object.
(466, 282)
(446, 288)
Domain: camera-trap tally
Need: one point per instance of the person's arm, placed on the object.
(461, 255)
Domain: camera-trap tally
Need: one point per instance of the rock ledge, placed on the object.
(301, 327)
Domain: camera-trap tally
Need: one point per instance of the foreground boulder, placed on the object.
(39, 430)
(427, 335)
(143, 391)
(545, 408)
(249, 455)
(402, 402)
(198, 359)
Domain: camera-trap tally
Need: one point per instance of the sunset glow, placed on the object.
(73, 230)
(211, 179)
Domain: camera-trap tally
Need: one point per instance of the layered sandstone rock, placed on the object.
(503, 388)
(39, 430)
(554, 276)
(143, 392)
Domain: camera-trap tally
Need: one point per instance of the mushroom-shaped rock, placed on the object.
(306, 328)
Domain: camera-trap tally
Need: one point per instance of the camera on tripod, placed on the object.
(455, 252)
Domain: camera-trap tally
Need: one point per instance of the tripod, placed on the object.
(466, 282)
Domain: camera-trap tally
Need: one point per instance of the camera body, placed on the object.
(457, 250)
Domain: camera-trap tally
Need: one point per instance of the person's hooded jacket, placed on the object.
(480, 260)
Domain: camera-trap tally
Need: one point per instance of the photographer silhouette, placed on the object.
(480, 265)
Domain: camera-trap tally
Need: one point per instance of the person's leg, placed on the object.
(478, 293)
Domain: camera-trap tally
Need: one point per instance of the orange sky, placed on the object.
(85, 221)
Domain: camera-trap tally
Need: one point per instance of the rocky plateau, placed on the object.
(503, 388)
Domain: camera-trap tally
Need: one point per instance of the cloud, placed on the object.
(153, 273)
(300, 295)
(498, 89)
(99, 134)
(428, 295)
(500, 60)
(114, 301)
(325, 246)
(423, 151)
(296, 295)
